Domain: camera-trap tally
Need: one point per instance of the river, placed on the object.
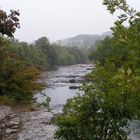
(63, 84)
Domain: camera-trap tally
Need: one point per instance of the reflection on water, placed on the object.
(59, 82)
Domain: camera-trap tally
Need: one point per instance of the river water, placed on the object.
(63, 84)
(59, 82)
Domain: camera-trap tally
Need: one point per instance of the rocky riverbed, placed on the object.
(25, 125)
(35, 124)
(31, 124)
(9, 124)
(63, 84)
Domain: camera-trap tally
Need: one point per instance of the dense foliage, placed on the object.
(112, 97)
(9, 23)
(20, 62)
(45, 55)
(60, 55)
(18, 80)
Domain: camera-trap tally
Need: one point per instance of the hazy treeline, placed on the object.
(44, 55)
(21, 65)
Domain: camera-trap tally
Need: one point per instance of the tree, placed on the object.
(111, 98)
(18, 80)
(9, 23)
(48, 49)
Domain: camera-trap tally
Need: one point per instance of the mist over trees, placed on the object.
(83, 40)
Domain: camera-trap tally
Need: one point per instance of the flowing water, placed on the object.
(63, 84)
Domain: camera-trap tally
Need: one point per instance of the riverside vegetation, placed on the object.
(109, 101)
(112, 97)
(21, 63)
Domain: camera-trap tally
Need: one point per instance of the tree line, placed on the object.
(36, 57)
(45, 55)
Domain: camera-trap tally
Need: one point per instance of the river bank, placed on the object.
(30, 123)
(35, 123)
(25, 124)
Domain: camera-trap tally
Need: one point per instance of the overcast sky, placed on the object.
(58, 19)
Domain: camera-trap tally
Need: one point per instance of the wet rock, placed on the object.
(89, 68)
(71, 76)
(134, 128)
(74, 87)
(37, 126)
(10, 131)
(61, 81)
(80, 81)
(9, 124)
(66, 76)
(72, 80)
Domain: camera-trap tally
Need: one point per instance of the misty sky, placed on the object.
(58, 19)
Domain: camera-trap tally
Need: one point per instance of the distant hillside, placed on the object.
(83, 40)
